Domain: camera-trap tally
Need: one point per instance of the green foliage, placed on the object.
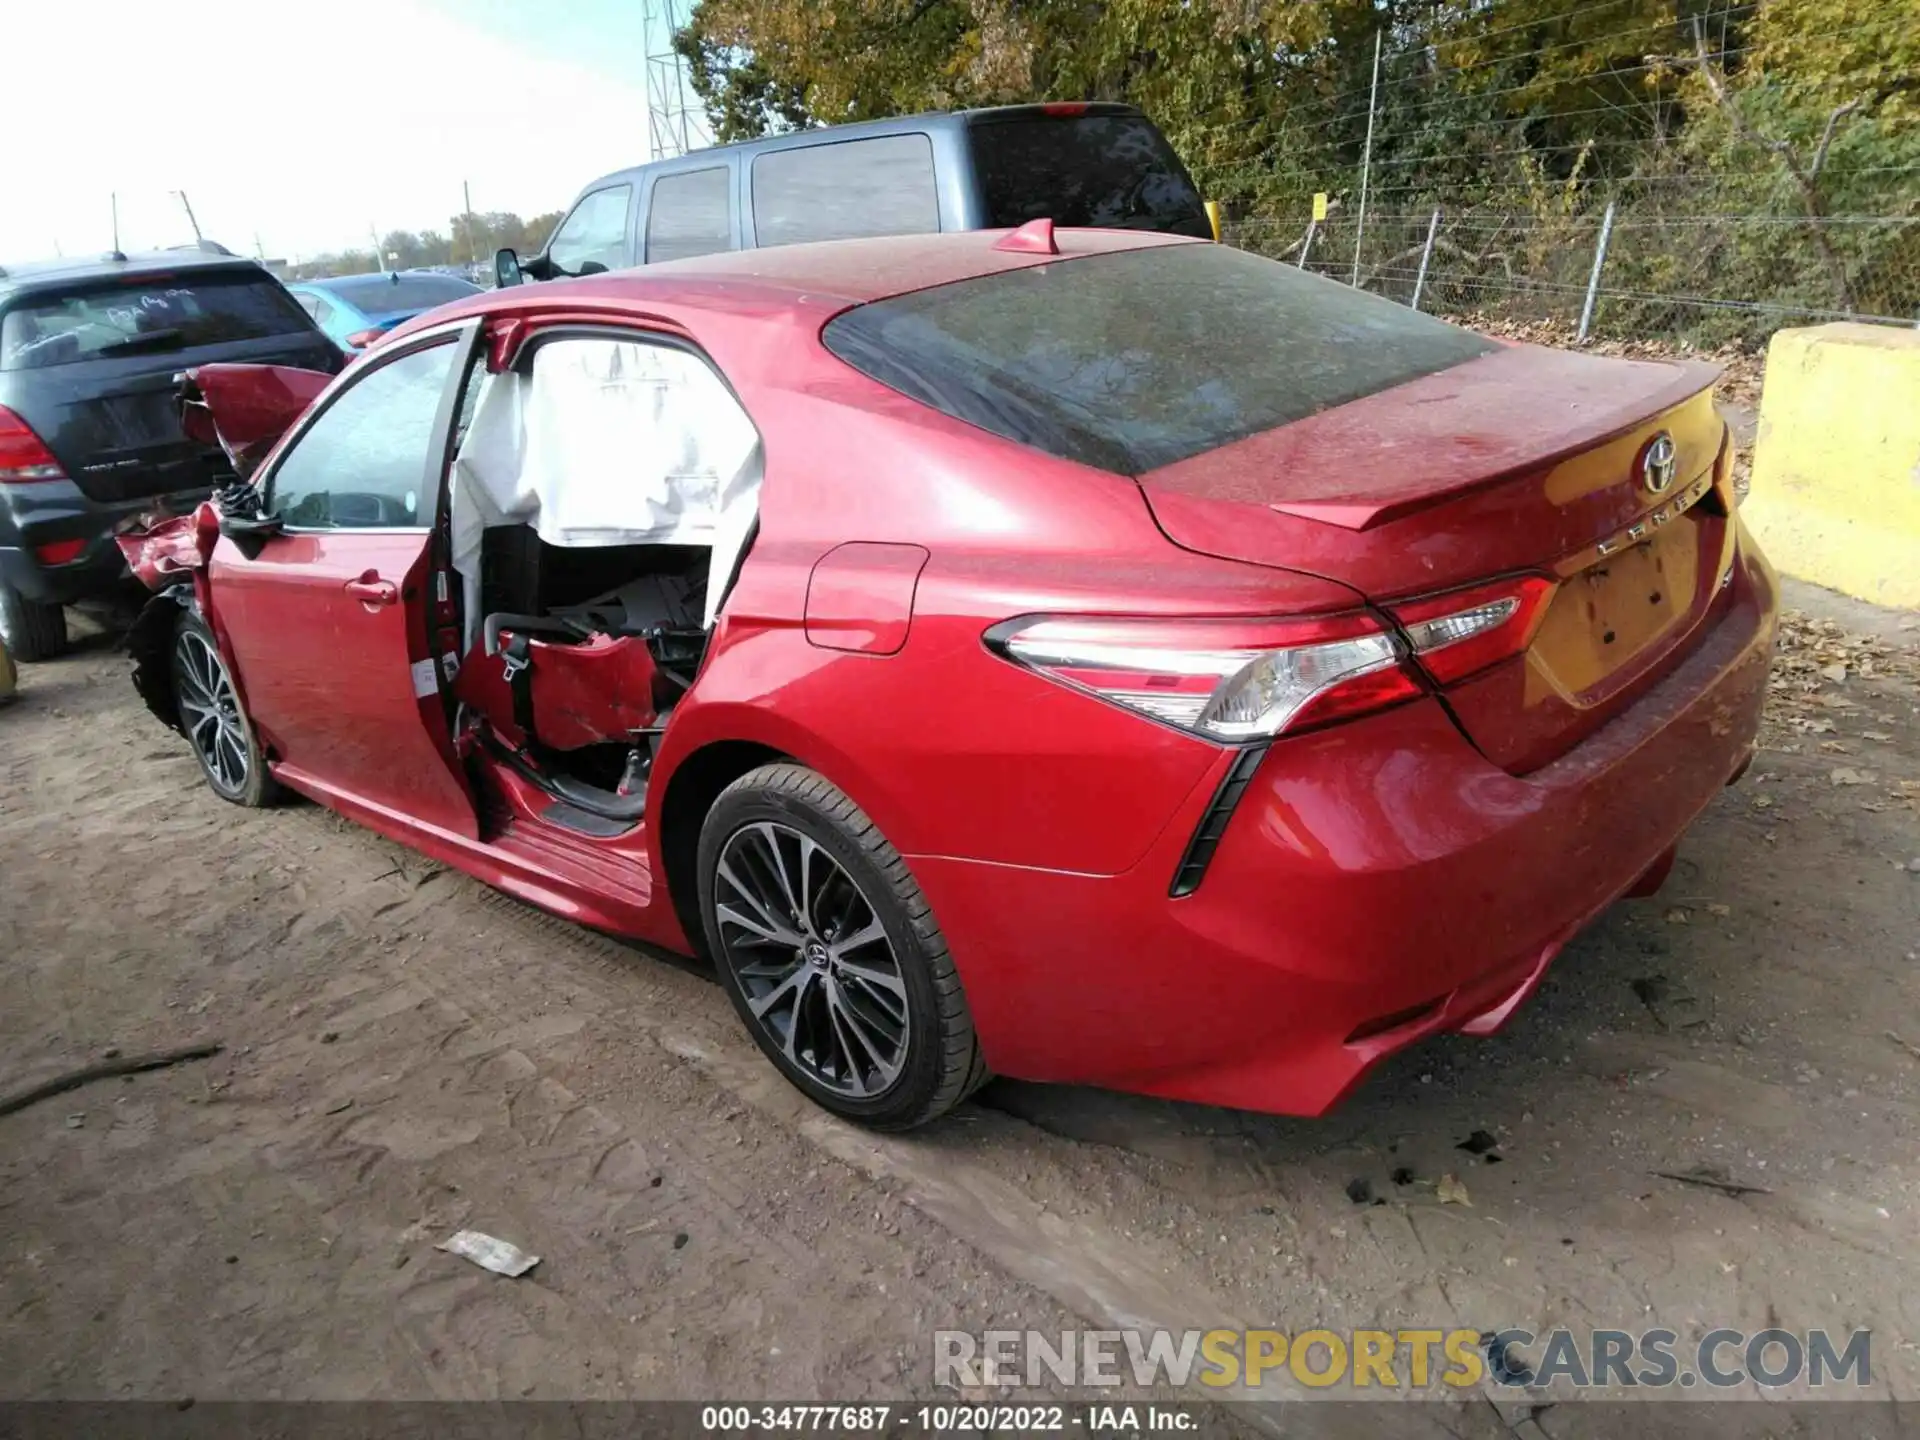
(1520, 119)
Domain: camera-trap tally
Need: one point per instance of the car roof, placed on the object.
(45, 274)
(373, 279)
(862, 130)
(821, 278)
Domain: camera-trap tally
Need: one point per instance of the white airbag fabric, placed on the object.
(607, 442)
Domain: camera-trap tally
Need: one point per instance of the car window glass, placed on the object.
(319, 309)
(362, 464)
(882, 186)
(1140, 358)
(395, 291)
(469, 397)
(689, 215)
(146, 315)
(594, 237)
(1105, 170)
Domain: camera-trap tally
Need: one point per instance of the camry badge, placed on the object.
(1657, 464)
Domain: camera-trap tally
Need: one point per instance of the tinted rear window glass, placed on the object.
(148, 317)
(1136, 359)
(1109, 170)
(689, 215)
(882, 186)
(379, 294)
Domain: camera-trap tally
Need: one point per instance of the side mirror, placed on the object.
(506, 268)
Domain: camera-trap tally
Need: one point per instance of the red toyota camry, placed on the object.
(1093, 657)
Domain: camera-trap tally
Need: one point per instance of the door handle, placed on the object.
(370, 589)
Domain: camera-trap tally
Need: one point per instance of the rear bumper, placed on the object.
(53, 512)
(1379, 882)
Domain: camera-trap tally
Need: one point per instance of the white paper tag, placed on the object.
(425, 682)
(489, 1252)
(450, 665)
(440, 586)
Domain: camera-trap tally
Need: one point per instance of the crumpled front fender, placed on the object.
(173, 550)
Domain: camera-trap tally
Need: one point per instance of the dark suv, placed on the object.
(89, 436)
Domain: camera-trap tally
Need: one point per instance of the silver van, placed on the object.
(1082, 163)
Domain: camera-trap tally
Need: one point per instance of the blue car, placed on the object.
(356, 310)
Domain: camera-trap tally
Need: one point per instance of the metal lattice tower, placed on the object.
(672, 126)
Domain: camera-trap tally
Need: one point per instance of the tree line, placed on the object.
(1802, 111)
(459, 245)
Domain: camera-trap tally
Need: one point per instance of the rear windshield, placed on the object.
(1106, 170)
(152, 316)
(379, 294)
(1135, 359)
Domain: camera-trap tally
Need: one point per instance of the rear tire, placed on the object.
(830, 953)
(32, 630)
(212, 719)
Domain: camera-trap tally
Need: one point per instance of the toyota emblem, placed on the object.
(1657, 463)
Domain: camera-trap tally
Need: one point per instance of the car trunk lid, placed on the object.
(1524, 461)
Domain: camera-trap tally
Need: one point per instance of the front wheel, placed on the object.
(213, 722)
(830, 952)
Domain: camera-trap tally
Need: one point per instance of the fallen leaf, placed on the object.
(1848, 776)
(1761, 802)
(1452, 1192)
(1879, 735)
(1676, 916)
(1720, 909)
(1835, 673)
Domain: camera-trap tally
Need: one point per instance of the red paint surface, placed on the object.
(1033, 238)
(328, 676)
(246, 408)
(860, 597)
(1376, 867)
(583, 694)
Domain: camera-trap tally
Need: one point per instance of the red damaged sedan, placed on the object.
(1094, 657)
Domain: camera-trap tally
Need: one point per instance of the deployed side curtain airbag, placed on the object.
(607, 442)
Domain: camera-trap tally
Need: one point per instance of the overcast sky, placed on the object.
(306, 131)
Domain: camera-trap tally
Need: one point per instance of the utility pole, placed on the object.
(187, 205)
(473, 243)
(1366, 162)
(379, 255)
(115, 197)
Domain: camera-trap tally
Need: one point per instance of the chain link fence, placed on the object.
(1701, 279)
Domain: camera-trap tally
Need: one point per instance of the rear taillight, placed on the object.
(59, 552)
(24, 459)
(361, 339)
(1462, 632)
(1225, 679)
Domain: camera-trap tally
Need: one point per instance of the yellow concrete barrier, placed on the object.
(1836, 466)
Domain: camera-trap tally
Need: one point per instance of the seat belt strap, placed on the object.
(516, 653)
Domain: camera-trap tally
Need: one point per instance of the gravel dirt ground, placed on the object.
(409, 1053)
